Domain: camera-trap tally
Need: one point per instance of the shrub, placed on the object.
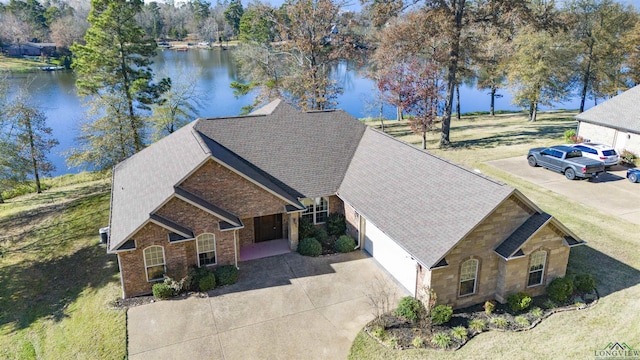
(344, 244)
(392, 341)
(628, 157)
(161, 291)
(500, 322)
(478, 325)
(441, 314)
(226, 275)
(549, 304)
(306, 229)
(522, 321)
(324, 239)
(568, 134)
(336, 224)
(207, 282)
(460, 333)
(176, 286)
(489, 306)
(418, 342)
(537, 312)
(560, 289)
(309, 247)
(519, 301)
(441, 340)
(584, 282)
(410, 308)
(194, 274)
(378, 332)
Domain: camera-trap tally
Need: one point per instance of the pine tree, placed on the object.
(114, 65)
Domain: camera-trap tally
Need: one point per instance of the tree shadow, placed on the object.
(517, 137)
(611, 274)
(43, 289)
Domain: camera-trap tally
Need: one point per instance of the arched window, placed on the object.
(154, 262)
(468, 277)
(206, 247)
(536, 268)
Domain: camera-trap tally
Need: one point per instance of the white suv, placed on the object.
(604, 153)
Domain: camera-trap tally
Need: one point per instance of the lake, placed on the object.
(55, 93)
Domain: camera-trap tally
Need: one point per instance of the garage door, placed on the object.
(391, 256)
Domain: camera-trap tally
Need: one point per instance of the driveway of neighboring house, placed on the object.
(610, 192)
(283, 307)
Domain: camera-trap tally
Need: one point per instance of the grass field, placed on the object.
(56, 280)
(611, 254)
(19, 65)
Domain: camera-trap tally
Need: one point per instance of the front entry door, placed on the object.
(268, 227)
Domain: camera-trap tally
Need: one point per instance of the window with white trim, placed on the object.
(317, 210)
(468, 277)
(206, 247)
(536, 268)
(154, 262)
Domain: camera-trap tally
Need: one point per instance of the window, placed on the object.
(317, 210)
(206, 245)
(536, 268)
(468, 277)
(154, 262)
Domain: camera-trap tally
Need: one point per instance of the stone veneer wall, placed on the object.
(548, 239)
(479, 244)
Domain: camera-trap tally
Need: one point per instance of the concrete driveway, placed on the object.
(283, 307)
(611, 192)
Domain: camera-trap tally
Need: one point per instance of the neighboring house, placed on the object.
(31, 49)
(202, 194)
(615, 122)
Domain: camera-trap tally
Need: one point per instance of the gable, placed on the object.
(227, 189)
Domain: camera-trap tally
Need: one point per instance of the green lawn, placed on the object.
(19, 64)
(611, 254)
(57, 282)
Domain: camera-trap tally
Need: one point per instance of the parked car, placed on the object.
(566, 160)
(633, 175)
(604, 153)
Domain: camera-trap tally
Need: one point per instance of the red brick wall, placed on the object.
(232, 192)
(178, 256)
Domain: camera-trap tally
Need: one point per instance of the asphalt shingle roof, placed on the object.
(306, 153)
(425, 203)
(620, 112)
(512, 243)
(144, 181)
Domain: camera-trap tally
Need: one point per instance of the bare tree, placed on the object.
(381, 297)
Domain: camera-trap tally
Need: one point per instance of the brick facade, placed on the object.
(497, 278)
(232, 192)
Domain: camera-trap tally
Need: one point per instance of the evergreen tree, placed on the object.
(114, 65)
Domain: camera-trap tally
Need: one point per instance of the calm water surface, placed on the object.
(55, 94)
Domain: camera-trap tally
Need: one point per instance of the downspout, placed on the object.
(359, 231)
(235, 247)
(124, 296)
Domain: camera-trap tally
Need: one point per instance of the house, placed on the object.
(615, 122)
(217, 186)
(31, 49)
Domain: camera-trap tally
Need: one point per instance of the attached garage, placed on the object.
(391, 256)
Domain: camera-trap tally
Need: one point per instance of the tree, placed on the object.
(26, 141)
(632, 43)
(180, 106)
(489, 62)
(233, 14)
(599, 28)
(68, 30)
(540, 70)
(114, 65)
(417, 88)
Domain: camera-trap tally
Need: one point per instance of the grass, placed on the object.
(57, 282)
(19, 64)
(611, 254)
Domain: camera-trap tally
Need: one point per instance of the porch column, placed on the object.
(294, 219)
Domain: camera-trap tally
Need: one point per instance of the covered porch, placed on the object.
(268, 235)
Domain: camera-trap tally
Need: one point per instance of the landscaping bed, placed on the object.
(396, 331)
